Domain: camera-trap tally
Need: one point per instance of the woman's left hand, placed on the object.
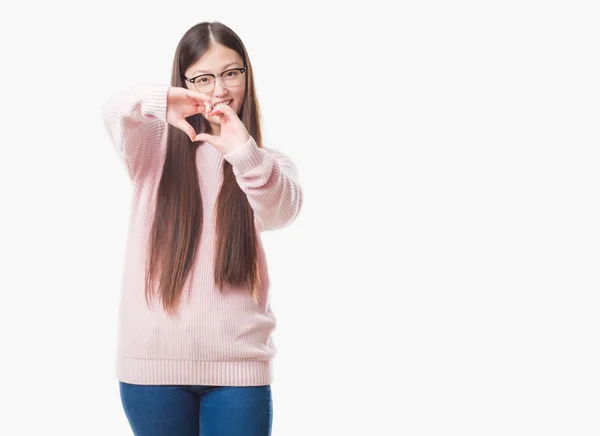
(233, 132)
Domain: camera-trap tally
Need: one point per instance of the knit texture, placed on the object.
(217, 338)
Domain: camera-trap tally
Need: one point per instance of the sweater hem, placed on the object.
(198, 373)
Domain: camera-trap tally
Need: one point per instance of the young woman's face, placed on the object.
(228, 88)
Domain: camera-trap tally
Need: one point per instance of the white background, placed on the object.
(442, 278)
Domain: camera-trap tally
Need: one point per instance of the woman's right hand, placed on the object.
(183, 103)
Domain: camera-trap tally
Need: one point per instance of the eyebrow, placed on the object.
(208, 72)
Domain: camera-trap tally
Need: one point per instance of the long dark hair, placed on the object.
(177, 225)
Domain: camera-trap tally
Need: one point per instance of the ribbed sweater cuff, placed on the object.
(247, 157)
(155, 101)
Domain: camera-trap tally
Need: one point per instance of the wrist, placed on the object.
(237, 145)
(246, 157)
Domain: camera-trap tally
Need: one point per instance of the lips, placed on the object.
(228, 102)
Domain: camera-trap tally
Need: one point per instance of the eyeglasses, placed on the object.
(206, 82)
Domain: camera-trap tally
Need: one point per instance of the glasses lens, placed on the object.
(205, 83)
(232, 77)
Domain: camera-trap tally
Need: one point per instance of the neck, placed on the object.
(215, 129)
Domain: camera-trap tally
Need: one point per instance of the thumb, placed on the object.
(187, 128)
(207, 138)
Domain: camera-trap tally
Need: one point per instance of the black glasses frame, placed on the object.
(214, 76)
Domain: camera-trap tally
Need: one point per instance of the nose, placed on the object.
(219, 89)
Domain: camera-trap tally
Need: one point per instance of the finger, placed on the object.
(207, 138)
(223, 109)
(204, 108)
(199, 97)
(187, 128)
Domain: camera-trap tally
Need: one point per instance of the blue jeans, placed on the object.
(168, 410)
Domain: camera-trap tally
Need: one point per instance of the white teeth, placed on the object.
(223, 102)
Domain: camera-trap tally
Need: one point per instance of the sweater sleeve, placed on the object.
(135, 120)
(270, 181)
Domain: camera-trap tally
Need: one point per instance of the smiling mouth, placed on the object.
(228, 102)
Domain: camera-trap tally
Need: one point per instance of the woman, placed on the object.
(195, 350)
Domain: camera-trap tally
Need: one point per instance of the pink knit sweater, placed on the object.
(217, 338)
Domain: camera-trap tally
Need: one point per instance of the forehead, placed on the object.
(215, 60)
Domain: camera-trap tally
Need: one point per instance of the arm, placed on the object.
(135, 121)
(270, 181)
